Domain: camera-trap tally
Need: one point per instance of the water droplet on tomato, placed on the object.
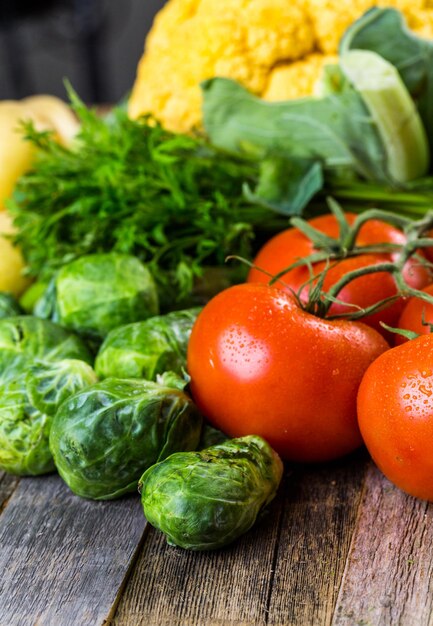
(425, 391)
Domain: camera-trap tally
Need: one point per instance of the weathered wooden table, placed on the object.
(339, 546)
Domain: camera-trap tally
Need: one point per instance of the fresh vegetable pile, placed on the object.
(110, 373)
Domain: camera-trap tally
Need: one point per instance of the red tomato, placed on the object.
(261, 365)
(395, 413)
(291, 245)
(414, 314)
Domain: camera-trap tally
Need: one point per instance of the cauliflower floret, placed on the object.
(421, 21)
(192, 41)
(331, 18)
(298, 79)
(276, 48)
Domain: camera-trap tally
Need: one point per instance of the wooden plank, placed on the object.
(389, 574)
(8, 485)
(285, 571)
(63, 559)
(319, 517)
(173, 587)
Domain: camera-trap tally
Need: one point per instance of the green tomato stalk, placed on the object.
(332, 250)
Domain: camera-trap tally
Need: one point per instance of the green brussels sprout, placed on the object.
(9, 307)
(145, 349)
(49, 384)
(205, 500)
(24, 434)
(37, 359)
(98, 292)
(103, 438)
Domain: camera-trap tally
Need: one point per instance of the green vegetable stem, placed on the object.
(393, 112)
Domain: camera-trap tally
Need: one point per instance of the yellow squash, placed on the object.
(11, 260)
(16, 154)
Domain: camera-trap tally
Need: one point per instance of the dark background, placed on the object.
(96, 44)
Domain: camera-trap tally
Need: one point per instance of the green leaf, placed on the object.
(336, 130)
(385, 32)
(286, 185)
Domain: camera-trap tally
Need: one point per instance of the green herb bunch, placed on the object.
(133, 187)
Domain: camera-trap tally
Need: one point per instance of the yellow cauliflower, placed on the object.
(297, 79)
(276, 48)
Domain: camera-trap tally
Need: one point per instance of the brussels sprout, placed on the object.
(23, 434)
(98, 292)
(49, 384)
(205, 500)
(145, 349)
(103, 438)
(9, 307)
(30, 349)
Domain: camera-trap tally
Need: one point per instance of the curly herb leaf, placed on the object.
(131, 186)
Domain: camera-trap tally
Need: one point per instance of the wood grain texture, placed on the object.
(8, 485)
(63, 559)
(389, 573)
(287, 570)
(173, 587)
(320, 512)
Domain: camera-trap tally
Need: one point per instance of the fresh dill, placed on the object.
(132, 186)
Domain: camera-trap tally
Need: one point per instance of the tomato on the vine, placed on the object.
(290, 245)
(260, 364)
(417, 316)
(395, 414)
